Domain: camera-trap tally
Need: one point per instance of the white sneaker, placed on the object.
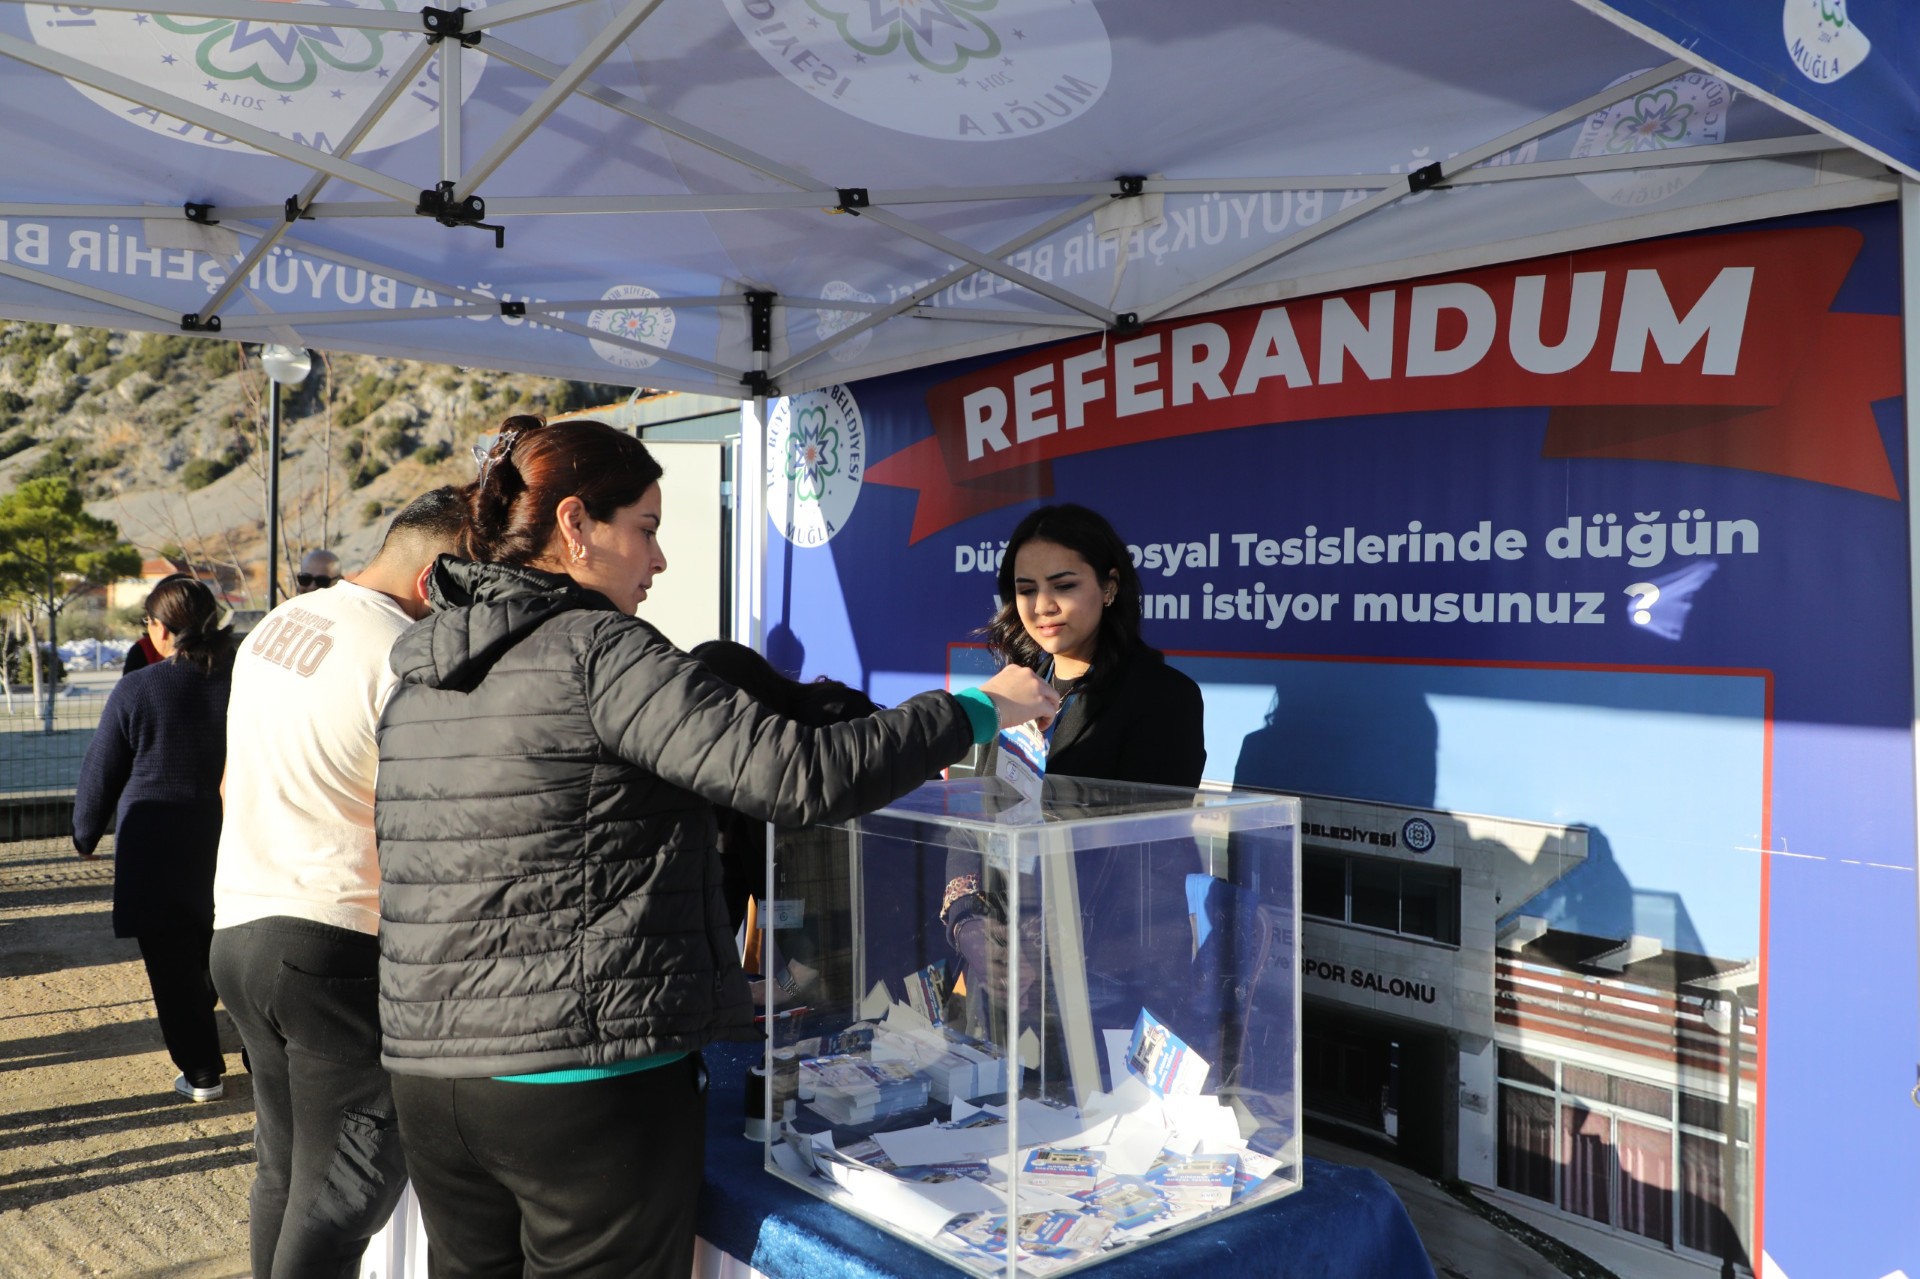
(191, 1093)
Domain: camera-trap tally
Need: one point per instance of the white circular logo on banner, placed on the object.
(816, 456)
(652, 325)
(309, 83)
(967, 70)
(1822, 40)
(1687, 111)
(828, 323)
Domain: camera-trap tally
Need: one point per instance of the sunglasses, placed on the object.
(318, 580)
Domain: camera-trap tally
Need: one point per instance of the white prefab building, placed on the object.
(1583, 1076)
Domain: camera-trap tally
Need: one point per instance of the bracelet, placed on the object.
(957, 887)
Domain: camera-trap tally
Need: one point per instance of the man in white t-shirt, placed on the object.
(296, 900)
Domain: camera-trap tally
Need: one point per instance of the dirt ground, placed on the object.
(103, 1169)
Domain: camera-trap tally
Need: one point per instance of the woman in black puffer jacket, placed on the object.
(551, 904)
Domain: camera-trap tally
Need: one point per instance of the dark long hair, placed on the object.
(1087, 534)
(185, 606)
(533, 466)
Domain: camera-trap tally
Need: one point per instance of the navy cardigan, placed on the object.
(156, 761)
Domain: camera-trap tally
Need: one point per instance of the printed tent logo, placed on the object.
(651, 325)
(308, 82)
(816, 463)
(1687, 111)
(1822, 40)
(966, 70)
(829, 323)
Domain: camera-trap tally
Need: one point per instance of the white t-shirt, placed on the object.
(309, 684)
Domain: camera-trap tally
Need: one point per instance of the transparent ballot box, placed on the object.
(1024, 1035)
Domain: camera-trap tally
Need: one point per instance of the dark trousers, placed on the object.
(183, 1000)
(326, 1145)
(594, 1180)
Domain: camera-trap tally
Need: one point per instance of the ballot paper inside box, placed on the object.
(1026, 1038)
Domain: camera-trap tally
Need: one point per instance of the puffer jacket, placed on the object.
(550, 890)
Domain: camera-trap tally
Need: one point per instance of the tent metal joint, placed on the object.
(853, 199)
(295, 210)
(1129, 184)
(440, 204)
(192, 323)
(760, 318)
(759, 384)
(443, 24)
(1425, 178)
(512, 310)
(1126, 322)
(201, 213)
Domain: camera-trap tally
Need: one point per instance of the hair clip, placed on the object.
(488, 457)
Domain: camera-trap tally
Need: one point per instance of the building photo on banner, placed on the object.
(1571, 595)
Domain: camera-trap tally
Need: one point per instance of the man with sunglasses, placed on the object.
(296, 895)
(318, 571)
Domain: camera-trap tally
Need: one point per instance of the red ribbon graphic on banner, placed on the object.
(1718, 350)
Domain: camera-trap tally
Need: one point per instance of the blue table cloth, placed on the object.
(1343, 1223)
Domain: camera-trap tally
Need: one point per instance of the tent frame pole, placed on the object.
(1910, 334)
(558, 90)
(193, 113)
(73, 288)
(910, 301)
(270, 13)
(750, 500)
(1457, 164)
(264, 245)
(450, 93)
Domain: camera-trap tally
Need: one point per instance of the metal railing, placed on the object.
(38, 763)
(38, 771)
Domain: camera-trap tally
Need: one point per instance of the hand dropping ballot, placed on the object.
(1023, 759)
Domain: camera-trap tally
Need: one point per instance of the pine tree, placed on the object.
(52, 552)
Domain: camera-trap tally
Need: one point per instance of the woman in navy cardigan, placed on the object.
(155, 762)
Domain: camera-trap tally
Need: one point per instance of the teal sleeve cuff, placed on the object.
(590, 1074)
(981, 716)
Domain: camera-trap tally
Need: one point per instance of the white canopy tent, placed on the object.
(764, 195)
(757, 197)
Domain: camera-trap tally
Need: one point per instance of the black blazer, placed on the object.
(1145, 725)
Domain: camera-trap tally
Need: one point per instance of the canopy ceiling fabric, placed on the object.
(1855, 74)
(893, 182)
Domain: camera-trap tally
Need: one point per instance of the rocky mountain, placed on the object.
(168, 437)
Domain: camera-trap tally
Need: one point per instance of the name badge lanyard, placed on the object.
(1066, 700)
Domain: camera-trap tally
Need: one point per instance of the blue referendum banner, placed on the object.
(1615, 540)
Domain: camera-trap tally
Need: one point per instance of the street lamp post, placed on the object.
(284, 364)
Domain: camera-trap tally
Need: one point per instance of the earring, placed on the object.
(579, 553)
